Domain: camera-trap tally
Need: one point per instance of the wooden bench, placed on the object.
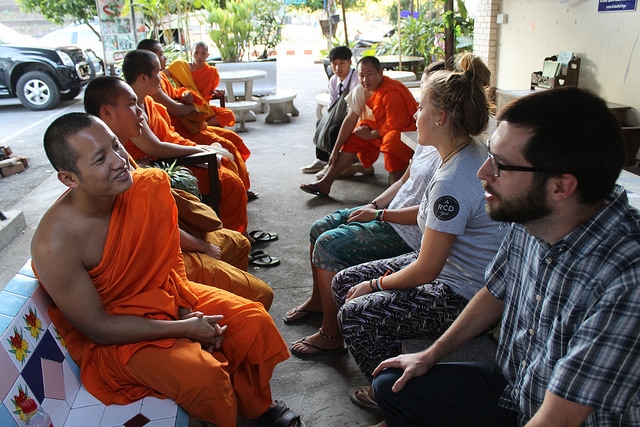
(280, 106)
(240, 109)
(35, 360)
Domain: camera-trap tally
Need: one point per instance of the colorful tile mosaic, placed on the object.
(34, 362)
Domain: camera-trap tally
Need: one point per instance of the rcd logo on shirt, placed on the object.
(446, 208)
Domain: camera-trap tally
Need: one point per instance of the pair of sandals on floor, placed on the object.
(261, 258)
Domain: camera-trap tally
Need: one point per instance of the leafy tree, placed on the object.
(267, 25)
(57, 11)
(313, 5)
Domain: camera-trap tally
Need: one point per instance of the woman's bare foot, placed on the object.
(317, 344)
(299, 314)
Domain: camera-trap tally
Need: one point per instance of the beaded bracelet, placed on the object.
(374, 203)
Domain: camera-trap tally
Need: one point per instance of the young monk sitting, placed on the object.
(159, 140)
(213, 255)
(392, 108)
(131, 319)
(200, 77)
(189, 114)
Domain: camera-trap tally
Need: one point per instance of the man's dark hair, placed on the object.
(340, 52)
(148, 44)
(371, 60)
(572, 131)
(137, 62)
(100, 91)
(56, 140)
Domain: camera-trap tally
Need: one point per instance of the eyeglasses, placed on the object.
(497, 167)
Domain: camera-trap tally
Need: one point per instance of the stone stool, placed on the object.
(280, 104)
(240, 109)
(323, 102)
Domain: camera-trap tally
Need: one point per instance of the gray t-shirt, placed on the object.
(455, 204)
(424, 164)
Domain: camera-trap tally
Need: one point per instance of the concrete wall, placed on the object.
(607, 42)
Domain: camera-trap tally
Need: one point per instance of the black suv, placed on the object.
(40, 77)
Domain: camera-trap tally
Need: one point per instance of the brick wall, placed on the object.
(485, 37)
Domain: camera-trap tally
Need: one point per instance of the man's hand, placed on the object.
(365, 132)
(205, 329)
(362, 215)
(414, 365)
(186, 98)
(212, 250)
(359, 290)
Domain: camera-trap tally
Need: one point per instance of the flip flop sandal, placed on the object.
(263, 236)
(363, 398)
(313, 189)
(290, 319)
(281, 416)
(262, 259)
(320, 350)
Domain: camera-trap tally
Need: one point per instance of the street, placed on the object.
(22, 131)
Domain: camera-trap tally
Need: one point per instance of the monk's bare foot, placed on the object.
(315, 189)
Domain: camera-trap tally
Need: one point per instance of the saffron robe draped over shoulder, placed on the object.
(202, 81)
(142, 274)
(233, 194)
(393, 107)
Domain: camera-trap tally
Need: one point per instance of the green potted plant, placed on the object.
(230, 28)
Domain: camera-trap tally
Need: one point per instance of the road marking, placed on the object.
(32, 125)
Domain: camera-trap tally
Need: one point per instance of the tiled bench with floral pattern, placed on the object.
(34, 362)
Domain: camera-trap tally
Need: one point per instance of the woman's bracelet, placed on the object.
(374, 203)
(384, 211)
(371, 285)
(379, 214)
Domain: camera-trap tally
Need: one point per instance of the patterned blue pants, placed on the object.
(374, 325)
(338, 244)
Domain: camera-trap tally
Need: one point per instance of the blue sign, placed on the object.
(617, 5)
(404, 14)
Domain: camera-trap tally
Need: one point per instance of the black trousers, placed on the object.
(451, 394)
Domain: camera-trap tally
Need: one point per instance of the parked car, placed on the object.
(40, 76)
(84, 35)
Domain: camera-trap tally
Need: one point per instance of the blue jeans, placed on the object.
(450, 394)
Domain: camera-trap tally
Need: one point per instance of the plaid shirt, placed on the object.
(571, 322)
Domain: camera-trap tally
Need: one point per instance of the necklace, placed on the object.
(453, 152)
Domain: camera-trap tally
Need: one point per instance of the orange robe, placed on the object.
(233, 194)
(142, 274)
(393, 108)
(202, 81)
(230, 271)
(195, 128)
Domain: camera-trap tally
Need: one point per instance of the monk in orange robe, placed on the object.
(141, 70)
(194, 128)
(233, 195)
(213, 255)
(365, 132)
(203, 79)
(189, 113)
(123, 303)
